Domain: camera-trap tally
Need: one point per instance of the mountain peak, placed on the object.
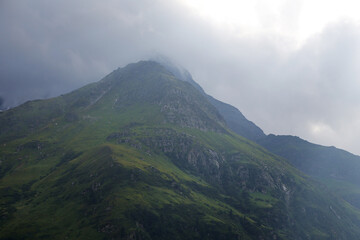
(142, 154)
(177, 70)
(234, 119)
(152, 84)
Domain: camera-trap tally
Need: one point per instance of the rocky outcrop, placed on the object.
(181, 109)
(185, 151)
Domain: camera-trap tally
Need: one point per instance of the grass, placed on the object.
(171, 179)
(262, 200)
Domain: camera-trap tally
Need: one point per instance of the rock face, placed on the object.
(184, 150)
(144, 155)
(187, 152)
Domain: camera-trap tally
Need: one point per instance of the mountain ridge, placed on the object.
(143, 155)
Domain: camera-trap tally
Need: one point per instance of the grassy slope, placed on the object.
(63, 177)
(60, 190)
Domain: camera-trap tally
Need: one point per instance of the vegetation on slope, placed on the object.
(142, 155)
(336, 168)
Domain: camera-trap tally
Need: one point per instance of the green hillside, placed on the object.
(143, 155)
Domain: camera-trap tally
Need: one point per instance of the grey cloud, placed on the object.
(316, 85)
(51, 47)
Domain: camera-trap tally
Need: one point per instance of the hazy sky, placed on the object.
(291, 66)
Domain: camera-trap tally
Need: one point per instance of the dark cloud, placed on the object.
(48, 48)
(51, 47)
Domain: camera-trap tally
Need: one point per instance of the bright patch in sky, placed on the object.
(296, 19)
(323, 133)
(321, 129)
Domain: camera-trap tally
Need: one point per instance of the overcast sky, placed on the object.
(290, 66)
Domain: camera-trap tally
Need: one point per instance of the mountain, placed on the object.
(142, 154)
(336, 168)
